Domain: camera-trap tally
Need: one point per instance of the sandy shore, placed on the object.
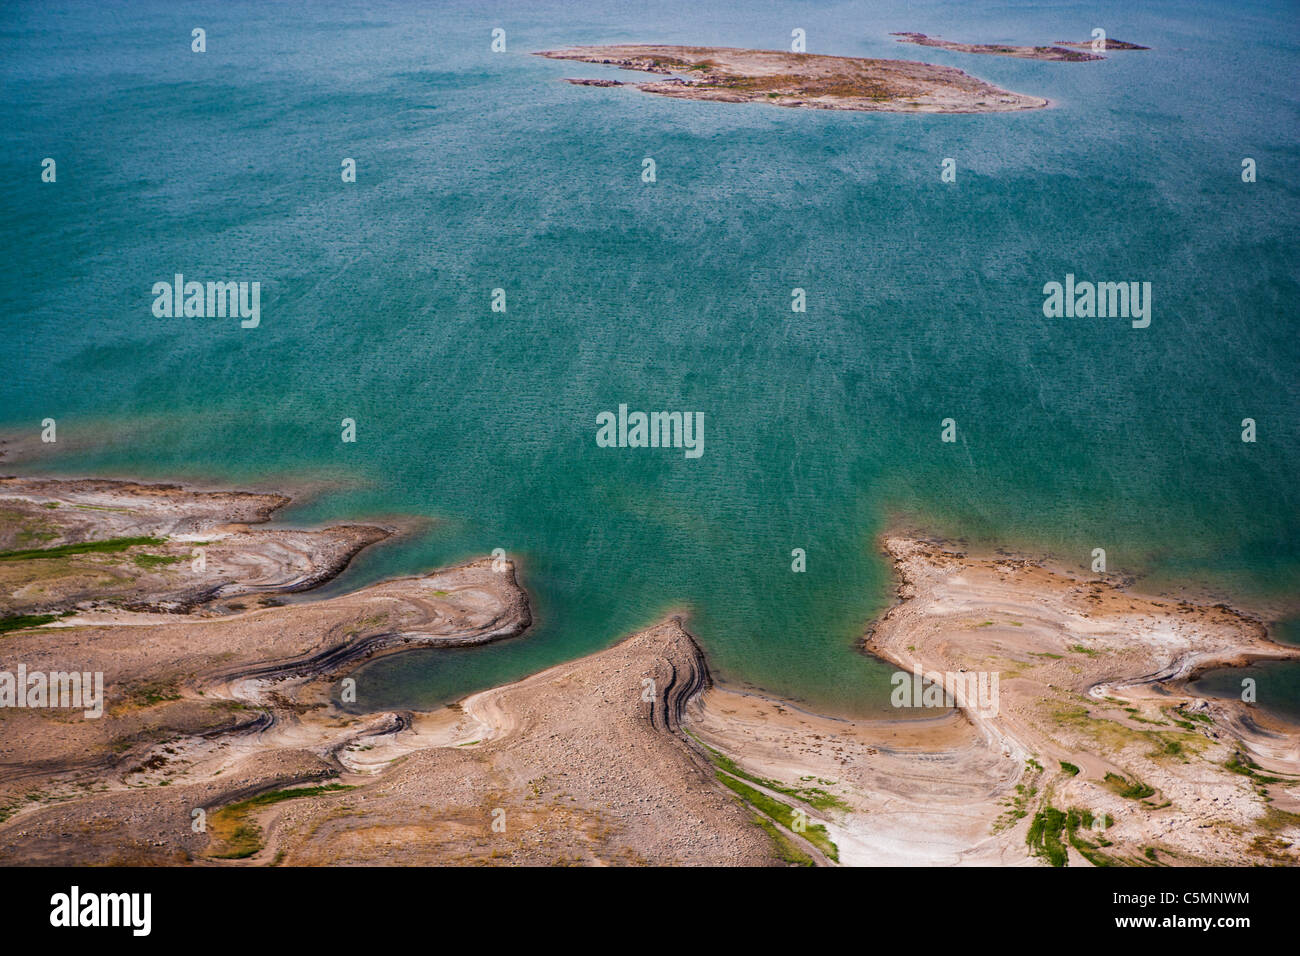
(1093, 677)
(1092, 716)
(729, 75)
(225, 717)
(585, 763)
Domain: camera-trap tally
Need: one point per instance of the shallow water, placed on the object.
(1276, 685)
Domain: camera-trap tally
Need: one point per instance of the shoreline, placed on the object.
(983, 779)
(266, 505)
(218, 705)
(218, 535)
(1269, 606)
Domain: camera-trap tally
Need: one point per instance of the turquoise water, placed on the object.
(479, 170)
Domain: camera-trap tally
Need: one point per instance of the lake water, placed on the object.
(479, 171)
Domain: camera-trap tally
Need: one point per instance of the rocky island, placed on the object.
(811, 81)
(1060, 50)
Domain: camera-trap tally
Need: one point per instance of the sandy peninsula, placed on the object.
(729, 75)
(83, 528)
(1094, 708)
(226, 715)
(1061, 51)
(221, 743)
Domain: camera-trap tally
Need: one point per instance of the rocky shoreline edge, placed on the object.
(225, 715)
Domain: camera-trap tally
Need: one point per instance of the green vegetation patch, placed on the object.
(1130, 789)
(149, 693)
(815, 797)
(783, 814)
(1025, 794)
(21, 622)
(1044, 836)
(238, 835)
(1240, 763)
(1076, 820)
(110, 546)
(150, 561)
(1168, 747)
(1070, 768)
(785, 847)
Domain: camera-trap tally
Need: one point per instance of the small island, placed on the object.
(1108, 45)
(730, 75)
(1059, 51)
